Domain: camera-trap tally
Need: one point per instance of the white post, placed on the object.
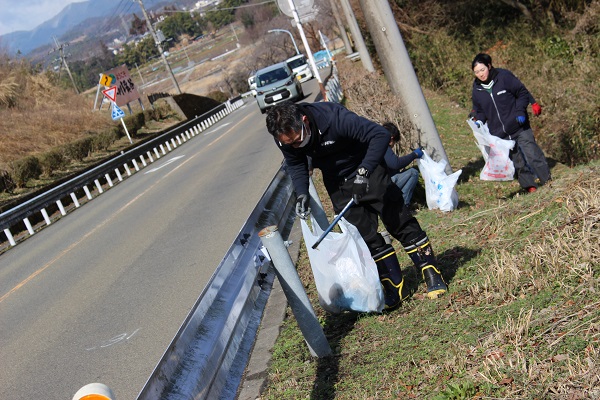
(10, 238)
(110, 182)
(61, 208)
(119, 174)
(87, 192)
(75, 201)
(98, 186)
(126, 131)
(28, 225)
(46, 217)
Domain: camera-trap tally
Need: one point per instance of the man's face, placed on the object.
(296, 139)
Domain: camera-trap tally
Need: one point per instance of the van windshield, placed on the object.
(272, 76)
(297, 62)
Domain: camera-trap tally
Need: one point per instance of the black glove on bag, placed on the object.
(303, 206)
(360, 187)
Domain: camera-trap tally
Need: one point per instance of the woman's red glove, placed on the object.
(537, 109)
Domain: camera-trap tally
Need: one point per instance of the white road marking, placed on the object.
(172, 160)
(216, 129)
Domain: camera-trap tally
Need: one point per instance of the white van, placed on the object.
(252, 84)
(299, 65)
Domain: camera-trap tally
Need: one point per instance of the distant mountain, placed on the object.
(70, 17)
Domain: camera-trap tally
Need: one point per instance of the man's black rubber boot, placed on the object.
(421, 254)
(391, 277)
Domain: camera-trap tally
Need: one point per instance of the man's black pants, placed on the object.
(383, 200)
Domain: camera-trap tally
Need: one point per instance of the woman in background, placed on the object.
(501, 100)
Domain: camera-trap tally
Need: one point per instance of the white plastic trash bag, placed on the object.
(439, 187)
(498, 165)
(345, 273)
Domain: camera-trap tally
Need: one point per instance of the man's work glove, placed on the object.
(303, 206)
(537, 109)
(520, 119)
(418, 152)
(360, 186)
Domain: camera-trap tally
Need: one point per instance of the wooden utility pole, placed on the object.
(401, 75)
(62, 58)
(159, 46)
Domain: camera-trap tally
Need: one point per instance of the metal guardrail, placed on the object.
(208, 356)
(103, 176)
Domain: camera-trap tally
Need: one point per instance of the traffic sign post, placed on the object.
(116, 112)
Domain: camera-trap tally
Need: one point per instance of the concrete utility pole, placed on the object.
(336, 14)
(311, 59)
(361, 47)
(159, 46)
(400, 74)
(63, 61)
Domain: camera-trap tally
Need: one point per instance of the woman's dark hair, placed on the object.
(393, 129)
(481, 58)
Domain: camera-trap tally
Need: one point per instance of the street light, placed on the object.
(289, 33)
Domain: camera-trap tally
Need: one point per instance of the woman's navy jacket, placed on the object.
(508, 99)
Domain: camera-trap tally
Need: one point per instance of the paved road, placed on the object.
(99, 295)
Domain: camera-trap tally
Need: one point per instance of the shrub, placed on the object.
(79, 149)
(218, 96)
(51, 161)
(6, 182)
(134, 122)
(24, 169)
(103, 140)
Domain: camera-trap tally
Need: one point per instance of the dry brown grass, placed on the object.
(521, 321)
(368, 94)
(41, 116)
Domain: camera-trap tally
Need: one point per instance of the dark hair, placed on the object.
(482, 58)
(393, 129)
(284, 118)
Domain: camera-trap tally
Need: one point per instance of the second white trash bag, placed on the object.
(345, 273)
(498, 165)
(439, 187)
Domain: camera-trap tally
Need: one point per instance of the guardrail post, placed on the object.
(294, 292)
(29, 227)
(46, 216)
(75, 201)
(61, 208)
(10, 237)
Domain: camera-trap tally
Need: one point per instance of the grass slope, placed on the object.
(521, 320)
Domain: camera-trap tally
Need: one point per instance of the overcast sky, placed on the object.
(24, 15)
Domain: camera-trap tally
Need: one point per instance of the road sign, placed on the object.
(117, 113)
(111, 93)
(302, 7)
(107, 80)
